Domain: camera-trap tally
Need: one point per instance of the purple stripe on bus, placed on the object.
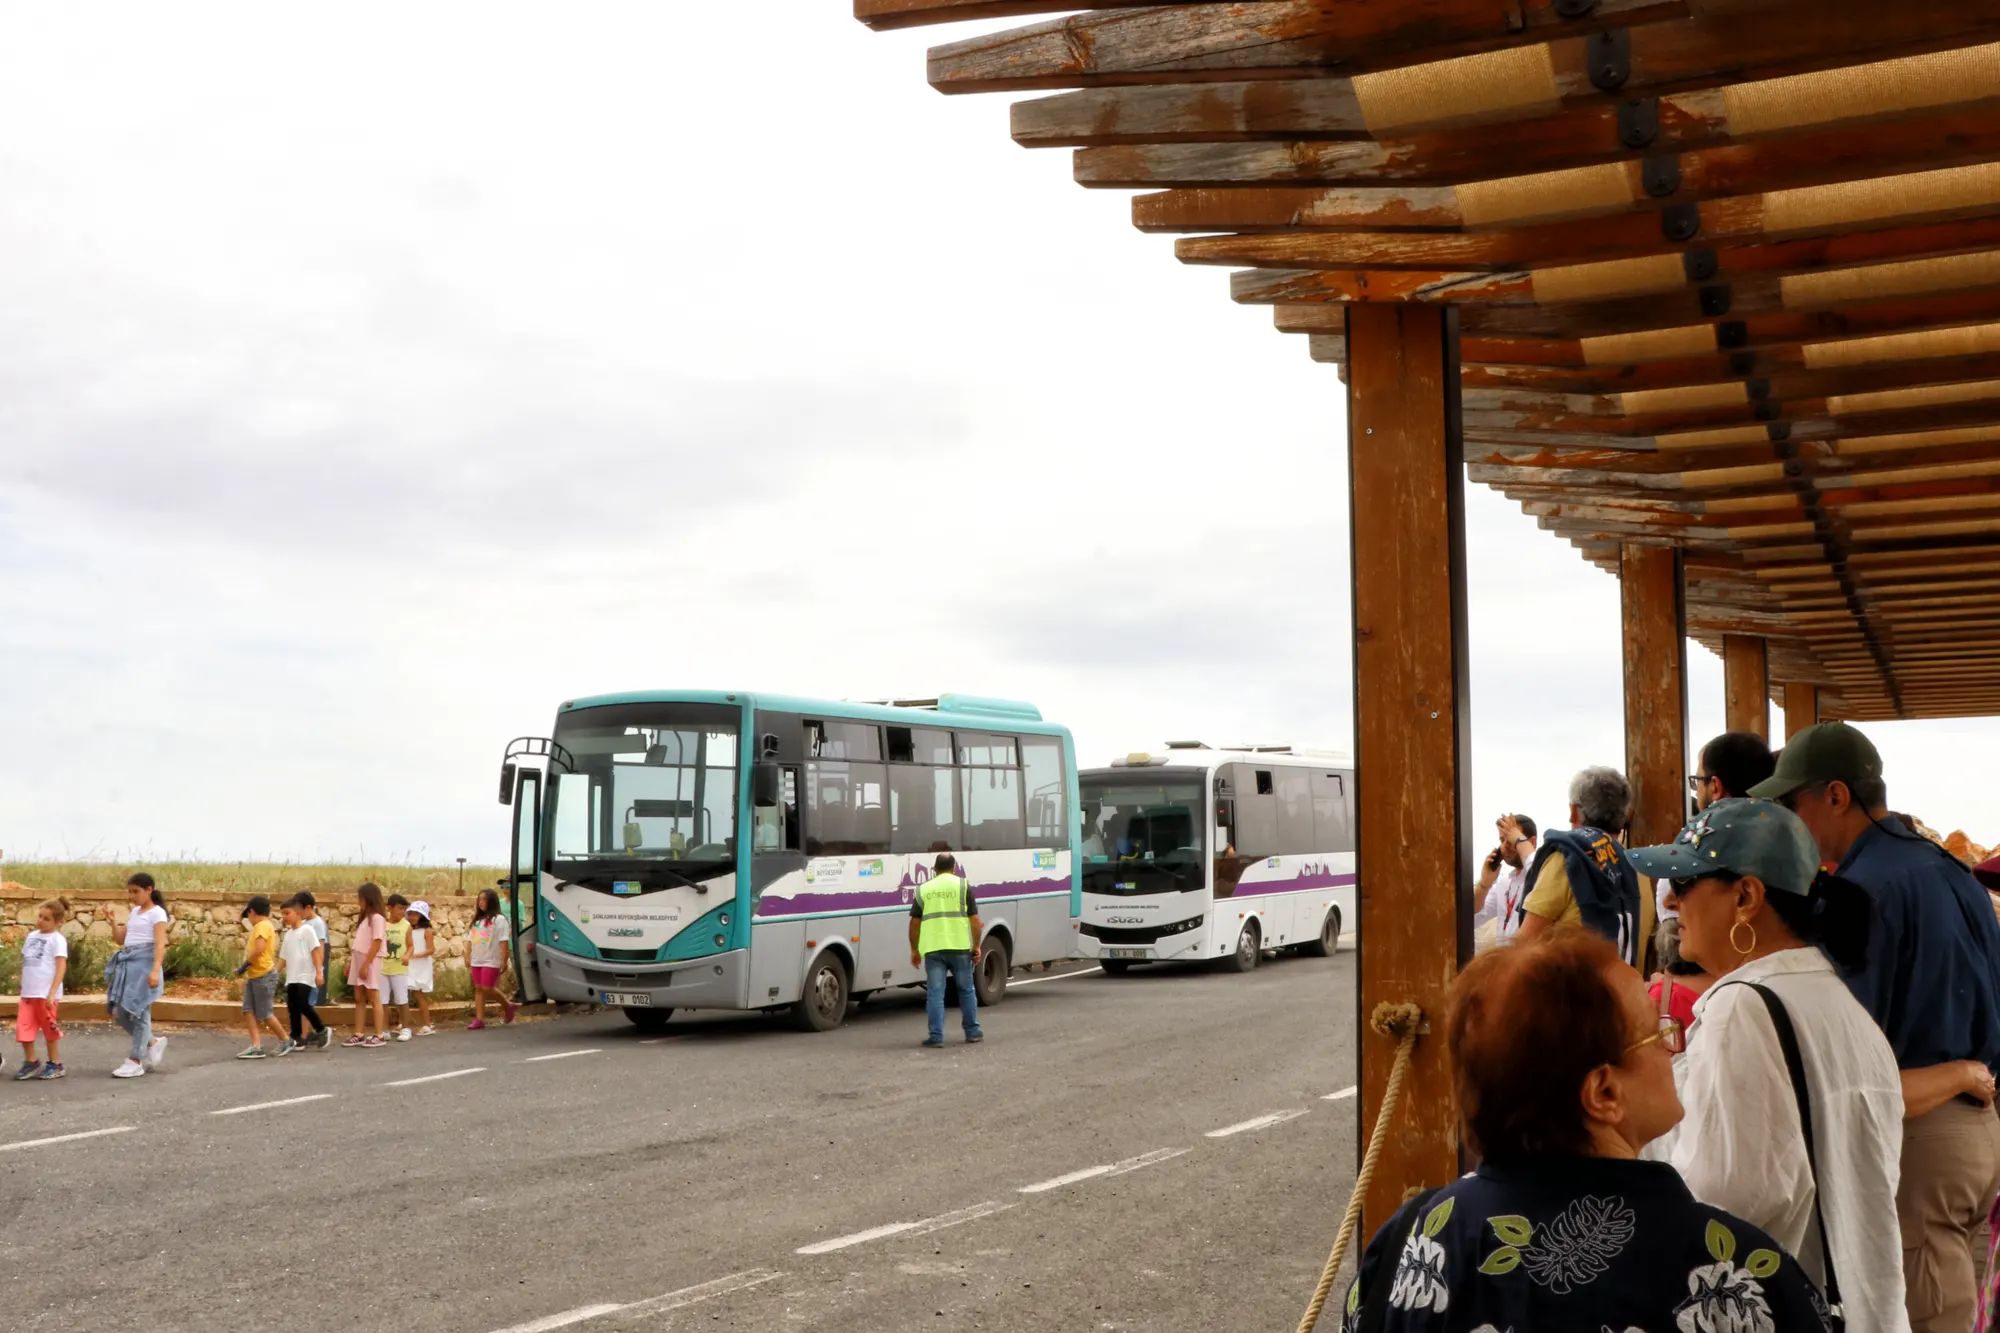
(1308, 880)
(772, 904)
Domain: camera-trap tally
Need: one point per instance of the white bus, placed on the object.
(1216, 854)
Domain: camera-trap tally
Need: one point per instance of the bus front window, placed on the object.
(651, 784)
(1144, 834)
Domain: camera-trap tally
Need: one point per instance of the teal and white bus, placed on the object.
(704, 850)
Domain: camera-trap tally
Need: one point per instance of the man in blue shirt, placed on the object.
(1932, 982)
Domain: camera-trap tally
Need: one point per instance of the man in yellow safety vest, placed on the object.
(944, 941)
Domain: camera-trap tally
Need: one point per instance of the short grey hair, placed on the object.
(1603, 797)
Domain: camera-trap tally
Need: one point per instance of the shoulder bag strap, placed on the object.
(1375, 1301)
(1788, 1041)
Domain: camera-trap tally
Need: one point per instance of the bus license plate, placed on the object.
(1128, 953)
(631, 999)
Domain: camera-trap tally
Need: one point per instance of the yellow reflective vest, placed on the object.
(947, 915)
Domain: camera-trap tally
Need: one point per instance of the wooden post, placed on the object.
(1801, 706)
(1746, 683)
(1655, 608)
(1411, 719)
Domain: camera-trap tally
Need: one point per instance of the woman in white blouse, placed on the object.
(1756, 915)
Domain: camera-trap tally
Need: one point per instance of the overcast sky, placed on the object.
(374, 378)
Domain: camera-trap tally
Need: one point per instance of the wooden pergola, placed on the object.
(1710, 287)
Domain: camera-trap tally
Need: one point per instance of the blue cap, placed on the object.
(1741, 837)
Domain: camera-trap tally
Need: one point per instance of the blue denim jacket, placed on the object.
(125, 974)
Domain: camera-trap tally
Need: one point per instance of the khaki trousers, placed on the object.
(1951, 1171)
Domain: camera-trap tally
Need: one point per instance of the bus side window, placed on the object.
(777, 826)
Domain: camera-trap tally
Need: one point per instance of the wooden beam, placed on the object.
(1746, 684)
(1412, 718)
(887, 15)
(1655, 616)
(1261, 39)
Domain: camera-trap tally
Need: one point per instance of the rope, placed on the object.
(1400, 1021)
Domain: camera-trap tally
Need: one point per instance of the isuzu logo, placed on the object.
(625, 931)
(1124, 920)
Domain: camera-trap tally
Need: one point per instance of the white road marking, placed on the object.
(432, 1078)
(66, 1138)
(1261, 1122)
(1109, 1169)
(1084, 972)
(563, 1320)
(268, 1106)
(963, 1215)
(563, 1055)
(652, 1041)
(857, 1238)
(1340, 1096)
(673, 1300)
(917, 1228)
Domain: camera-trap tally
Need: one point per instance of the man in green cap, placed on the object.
(1932, 980)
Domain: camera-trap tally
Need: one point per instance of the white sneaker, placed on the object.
(130, 1069)
(403, 1034)
(156, 1051)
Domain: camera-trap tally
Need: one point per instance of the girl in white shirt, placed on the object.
(1756, 914)
(142, 944)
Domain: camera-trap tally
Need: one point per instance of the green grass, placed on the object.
(277, 879)
(191, 956)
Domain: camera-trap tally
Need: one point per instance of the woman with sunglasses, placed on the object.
(1794, 1104)
(1562, 1072)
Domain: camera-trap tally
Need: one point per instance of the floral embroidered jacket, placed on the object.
(1592, 1244)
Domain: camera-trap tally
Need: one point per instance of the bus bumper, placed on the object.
(717, 981)
(1169, 949)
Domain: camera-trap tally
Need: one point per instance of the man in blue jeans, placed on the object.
(944, 939)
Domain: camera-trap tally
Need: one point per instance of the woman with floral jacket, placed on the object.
(1563, 1071)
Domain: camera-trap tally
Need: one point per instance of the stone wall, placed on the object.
(216, 918)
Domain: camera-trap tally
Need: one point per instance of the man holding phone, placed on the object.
(1501, 888)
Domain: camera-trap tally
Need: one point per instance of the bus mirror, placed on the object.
(1225, 813)
(765, 785)
(506, 784)
(770, 748)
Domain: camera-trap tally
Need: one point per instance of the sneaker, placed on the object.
(506, 1011)
(51, 1071)
(933, 1041)
(28, 1071)
(403, 1034)
(974, 1038)
(427, 1031)
(156, 1051)
(253, 1053)
(356, 1040)
(130, 1069)
(475, 1025)
(373, 1041)
(325, 1036)
(286, 1047)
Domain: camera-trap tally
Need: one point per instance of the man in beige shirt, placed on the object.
(1583, 877)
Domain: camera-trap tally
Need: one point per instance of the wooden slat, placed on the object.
(1412, 719)
(887, 15)
(1261, 39)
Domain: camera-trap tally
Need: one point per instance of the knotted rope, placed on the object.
(1400, 1021)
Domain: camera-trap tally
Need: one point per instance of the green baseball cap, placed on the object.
(1743, 837)
(1828, 752)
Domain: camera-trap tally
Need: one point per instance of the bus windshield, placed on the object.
(653, 786)
(1143, 833)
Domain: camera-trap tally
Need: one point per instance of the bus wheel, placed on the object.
(1249, 945)
(823, 1003)
(1329, 936)
(990, 982)
(649, 1020)
(1116, 967)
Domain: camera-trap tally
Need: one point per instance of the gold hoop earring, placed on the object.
(1743, 949)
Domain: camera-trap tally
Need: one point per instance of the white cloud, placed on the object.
(373, 381)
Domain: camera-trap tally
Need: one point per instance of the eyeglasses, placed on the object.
(1671, 1035)
(1698, 781)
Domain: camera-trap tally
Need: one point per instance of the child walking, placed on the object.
(423, 964)
(260, 981)
(396, 963)
(486, 958)
(309, 909)
(304, 958)
(44, 961)
(364, 967)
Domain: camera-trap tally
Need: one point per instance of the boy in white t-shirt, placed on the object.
(44, 961)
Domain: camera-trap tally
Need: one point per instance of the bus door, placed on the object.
(523, 881)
